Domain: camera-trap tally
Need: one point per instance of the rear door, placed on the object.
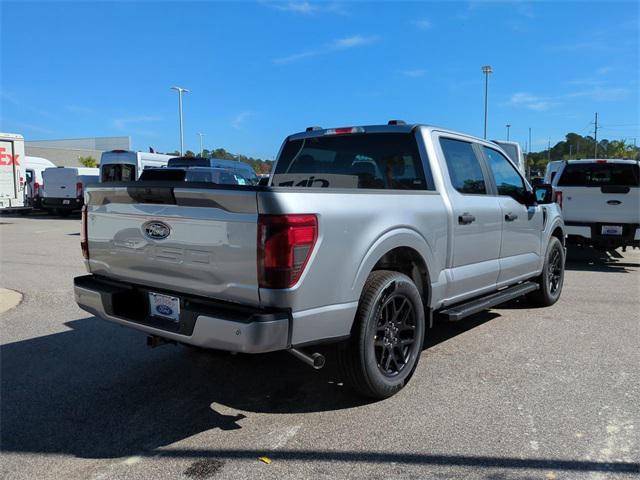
(60, 182)
(521, 224)
(476, 222)
(199, 241)
(600, 192)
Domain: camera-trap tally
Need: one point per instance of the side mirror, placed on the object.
(543, 194)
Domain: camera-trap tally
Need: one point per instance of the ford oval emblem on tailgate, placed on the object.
(156, 230)
(614, 202)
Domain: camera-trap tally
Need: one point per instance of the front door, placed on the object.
(522, 225)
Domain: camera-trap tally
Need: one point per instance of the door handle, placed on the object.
(510, 217)
(466, 219)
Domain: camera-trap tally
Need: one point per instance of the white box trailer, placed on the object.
(127, 166)
(64, 188)
(12, 173)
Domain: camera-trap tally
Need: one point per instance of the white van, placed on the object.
(64, 188)
(12, 173)
(127, 166)
(514, 152)
(600, 202)
(34, 166)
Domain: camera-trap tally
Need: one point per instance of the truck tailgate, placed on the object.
(196, 241)
(601, 204)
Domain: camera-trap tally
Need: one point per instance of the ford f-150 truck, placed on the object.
(600, 202)
(361, 236)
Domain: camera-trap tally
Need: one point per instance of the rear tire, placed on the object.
(552, 277)
(387, 336)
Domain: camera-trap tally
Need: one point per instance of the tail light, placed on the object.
(285, 243)
(559, 199)
(78, 189)
(84, 239)
(36, 189)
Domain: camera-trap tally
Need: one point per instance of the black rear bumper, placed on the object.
(627, 239)
(203, 322)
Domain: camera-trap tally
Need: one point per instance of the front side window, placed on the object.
(507, 179)
(464, 167)
(358, 161)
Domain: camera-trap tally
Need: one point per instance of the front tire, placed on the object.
(552, 277)
(387, 336)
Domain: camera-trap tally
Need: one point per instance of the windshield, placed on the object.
(370, 160)
(600, 174)
(216, 175)
(221, 176)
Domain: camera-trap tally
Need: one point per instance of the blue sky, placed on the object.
(261, 70)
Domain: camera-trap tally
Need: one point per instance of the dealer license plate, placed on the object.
(164, 306)
(612, 230)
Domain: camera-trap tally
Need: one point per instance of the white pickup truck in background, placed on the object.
(600, 201)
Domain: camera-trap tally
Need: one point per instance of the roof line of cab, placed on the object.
(394, 126)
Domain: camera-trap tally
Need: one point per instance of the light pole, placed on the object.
(529, 156)
(508, 127)
(486, 70)
(180, 91)
(201, 135)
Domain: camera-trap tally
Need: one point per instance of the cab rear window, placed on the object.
(600, 174)
(354, 161)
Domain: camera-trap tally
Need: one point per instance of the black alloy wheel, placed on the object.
(395, 336)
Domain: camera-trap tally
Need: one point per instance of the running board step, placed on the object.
(460, 311)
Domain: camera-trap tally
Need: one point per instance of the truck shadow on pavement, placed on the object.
(592, 260)
(95, 391)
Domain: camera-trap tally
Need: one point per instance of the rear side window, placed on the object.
(600, 174)
(358, 161)
(464, 166)
(118, 172)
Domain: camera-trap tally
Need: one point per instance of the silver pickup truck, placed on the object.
(361, 237)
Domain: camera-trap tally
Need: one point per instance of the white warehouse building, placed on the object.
(66, 152)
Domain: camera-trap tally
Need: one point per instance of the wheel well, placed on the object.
(408, 261)
(558, 234)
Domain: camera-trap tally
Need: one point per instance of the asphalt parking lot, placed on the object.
(514, 393)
